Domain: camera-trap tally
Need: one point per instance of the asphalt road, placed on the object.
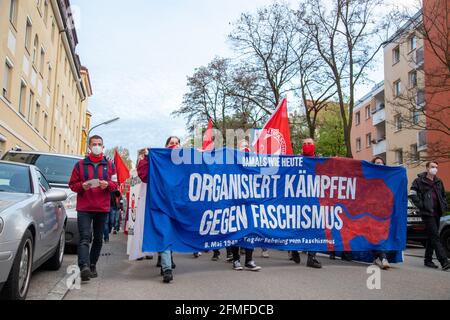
(200, 279)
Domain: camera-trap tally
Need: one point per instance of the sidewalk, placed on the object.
(200, 279)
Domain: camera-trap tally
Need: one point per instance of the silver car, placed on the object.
(57, 168)
(445, 233)
(32, 221)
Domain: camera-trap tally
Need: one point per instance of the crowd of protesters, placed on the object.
(99, 207)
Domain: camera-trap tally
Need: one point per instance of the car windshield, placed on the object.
(56, 169)
(14, 179)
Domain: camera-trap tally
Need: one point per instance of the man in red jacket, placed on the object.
(93, 179)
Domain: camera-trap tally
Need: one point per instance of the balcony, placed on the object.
(379, 116)
(380, 147)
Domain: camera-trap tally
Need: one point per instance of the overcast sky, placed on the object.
(139, 53)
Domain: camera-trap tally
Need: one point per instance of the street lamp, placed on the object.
(95, 127)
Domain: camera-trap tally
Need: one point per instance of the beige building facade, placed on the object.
(45, 90)
(404, 84)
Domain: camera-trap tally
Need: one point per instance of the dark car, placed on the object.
(57, 169)
(416, 226)
(445, 233)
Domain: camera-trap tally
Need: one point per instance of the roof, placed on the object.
(405, 27)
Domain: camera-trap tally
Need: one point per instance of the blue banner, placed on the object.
(202, 201)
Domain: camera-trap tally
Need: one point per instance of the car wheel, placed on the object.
(55, 262)
(16, 287)
(445, 239)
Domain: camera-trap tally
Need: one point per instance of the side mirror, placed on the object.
(54, 195)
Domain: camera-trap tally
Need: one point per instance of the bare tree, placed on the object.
(346, 39)
(425, 106)
(264, 41)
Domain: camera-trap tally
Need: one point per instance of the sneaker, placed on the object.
(140, 259)
(94, 273)
(296, 257)
(237, 266)
(114, 232)
(265, 254)
(346, 256)
(230, 258)
(251, 266)
(196, 255)
(333, 256)
(167, 276)
(215, 257)
(385, 264)
(313, 263)
(106, 240)
(431, 264)
(148, 257)
(446, 266)
(85, 273)
(378, 263)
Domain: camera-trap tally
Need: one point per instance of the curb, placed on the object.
(60, 290)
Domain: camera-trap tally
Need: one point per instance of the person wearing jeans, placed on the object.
(428, 195)
(165, 258)
(90, 223)
(93, 179)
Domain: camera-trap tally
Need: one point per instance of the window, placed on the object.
(412, 42)
(414, 153)
(30, 105)
(46, 12)
(41, 68)
(420, 98)
(358, 144)
(13, 12)
(53, 31)
(368, 113)
(37, 116)
(397, 88)
(415, 117)
(35, 48)
(358, 118)
(49, 79)
(396, 55)
(399, 156)
(7, 80)
(398, 122)
(412, 76)
(369, 140)
(45, 125)
(28, 32)
(43, 182)
(22, 97)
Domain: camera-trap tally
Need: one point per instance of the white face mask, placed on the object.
(97, 150)
(433, 171)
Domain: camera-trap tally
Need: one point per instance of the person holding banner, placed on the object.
(249, 263)
(165, 259)
(309, 150)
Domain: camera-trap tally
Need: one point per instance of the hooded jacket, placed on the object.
(422, 197)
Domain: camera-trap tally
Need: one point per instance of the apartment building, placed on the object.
(44, 90)
(400, 126)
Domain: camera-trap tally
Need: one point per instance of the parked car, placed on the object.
(32, 221)
(57, 168)
(416, 227)
(444, 231)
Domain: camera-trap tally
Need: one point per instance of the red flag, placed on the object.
(275, 138)
(123, 173)
(208, 143)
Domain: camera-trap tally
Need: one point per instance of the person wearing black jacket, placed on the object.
(428, 195)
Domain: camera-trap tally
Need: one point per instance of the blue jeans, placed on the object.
(111, 223)
(90, 223)
(166, 260)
